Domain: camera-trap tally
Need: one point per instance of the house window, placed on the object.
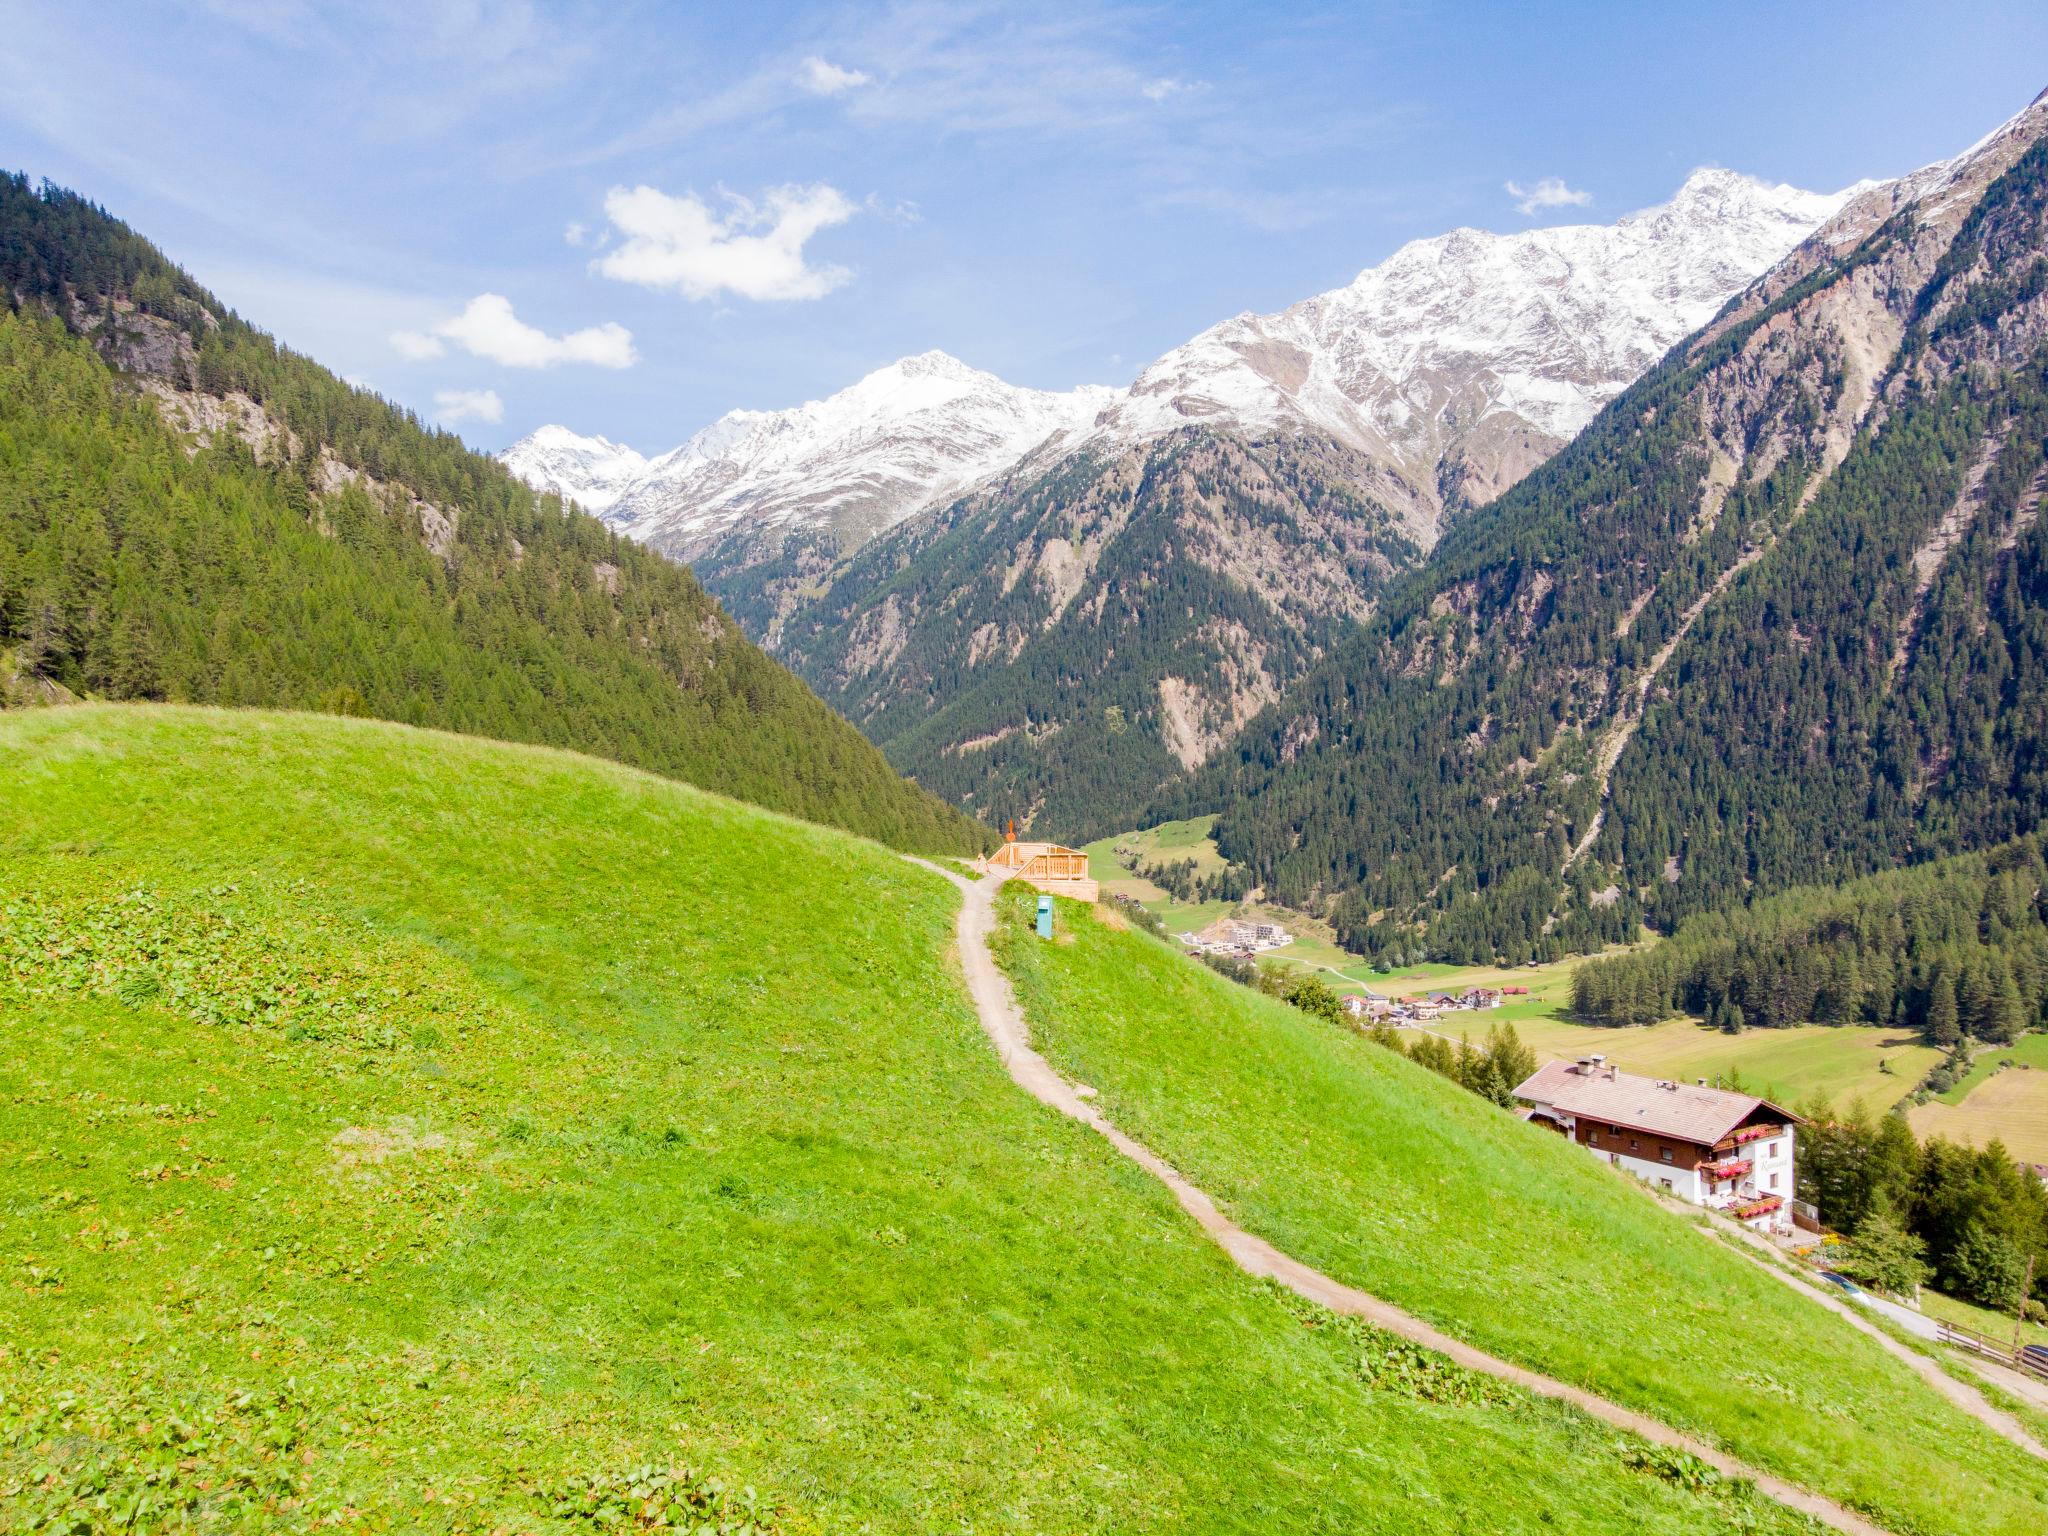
(1595, 1136)
(1774, 1181)
(1634, 1145)
(1665, 1182)
(1667, 1154)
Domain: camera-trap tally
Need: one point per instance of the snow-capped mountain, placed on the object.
(1454, 367)
(914, 433)
(594, 471)
(1461, 362)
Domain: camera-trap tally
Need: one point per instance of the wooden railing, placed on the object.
(2030, 1361)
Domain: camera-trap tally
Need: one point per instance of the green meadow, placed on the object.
(1384, 1175)
(402, 1132)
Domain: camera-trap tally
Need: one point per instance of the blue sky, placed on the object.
(633, 217)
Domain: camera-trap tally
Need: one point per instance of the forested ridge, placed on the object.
(1776, 615)
(1947, 949)
(1055, 649)
(319, 548)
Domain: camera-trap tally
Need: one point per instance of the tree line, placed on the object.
(1492, 1069)
(362, 563)
(1952, 949)
(1966, 1219)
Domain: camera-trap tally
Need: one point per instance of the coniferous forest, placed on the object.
(1950, 949)
(1778, 615)
(317, 548)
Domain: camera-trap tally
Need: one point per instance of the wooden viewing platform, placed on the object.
(1057, 870)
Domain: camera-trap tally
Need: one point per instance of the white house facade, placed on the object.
(1731, 1151)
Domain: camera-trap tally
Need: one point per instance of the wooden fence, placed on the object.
(2032, 1361)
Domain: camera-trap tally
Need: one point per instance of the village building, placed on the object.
(1730, 1151)
(1056, 870)
(1238, 936)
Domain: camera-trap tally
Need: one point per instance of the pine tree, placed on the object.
(1944, 1025)
(1884, 1255)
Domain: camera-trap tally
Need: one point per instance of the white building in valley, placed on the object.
(1731, 1151)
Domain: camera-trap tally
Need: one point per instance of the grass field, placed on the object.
(2008, 1105)
(1791, 1065)
(1315, 942)
(1997, 1325)
(407, 1133)
(2028, 1050)
(1381, 1174)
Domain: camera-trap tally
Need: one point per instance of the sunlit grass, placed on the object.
(1388, 1177)
(394, 1127)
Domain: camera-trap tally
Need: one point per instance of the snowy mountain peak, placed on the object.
(594, 471)
(1463, 360)
(901, 438)
(1455, 366)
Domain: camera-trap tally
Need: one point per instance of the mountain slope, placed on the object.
(1504, 1235)
(1461, 362)
(434, 1150)
(1201, 546)
(188, 511)
(1060, 645)
(1771, 617)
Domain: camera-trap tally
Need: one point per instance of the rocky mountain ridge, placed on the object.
(1774, 616)
(1453, 367)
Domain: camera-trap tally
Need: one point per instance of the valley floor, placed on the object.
(1877, 1066)
(1996, 1102)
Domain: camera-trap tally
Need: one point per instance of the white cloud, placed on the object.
(823, 79)
(416, 346)
(575, 234)
(1550, 192)
(453, 405)
(755, 251)
(1162, 89)
(488, 328)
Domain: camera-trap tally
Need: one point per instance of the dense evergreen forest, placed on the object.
(325, 550)
(1967, 1219)
(1779, 614)
(1955, 948)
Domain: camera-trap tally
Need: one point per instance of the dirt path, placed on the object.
(1960, 1393)
(1000, 1016)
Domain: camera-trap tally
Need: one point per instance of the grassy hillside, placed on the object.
(190, 512)
(407, 1132)
(1382, 1175)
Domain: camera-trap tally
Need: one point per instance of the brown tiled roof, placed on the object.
(1681, 1111)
